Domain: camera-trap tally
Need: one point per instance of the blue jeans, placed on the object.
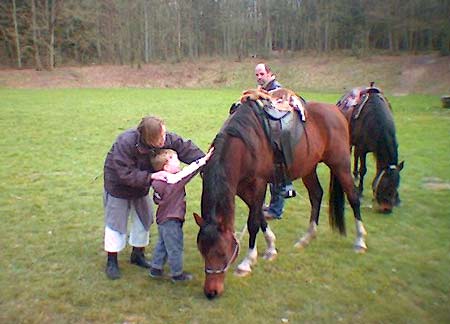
(276, 205)
(169, 247)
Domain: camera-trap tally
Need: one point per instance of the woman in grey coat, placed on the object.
(128, 175)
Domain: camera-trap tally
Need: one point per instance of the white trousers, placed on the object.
(139, 237)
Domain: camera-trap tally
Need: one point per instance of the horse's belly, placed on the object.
(305, 163)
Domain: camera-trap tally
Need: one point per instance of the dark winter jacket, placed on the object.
(127, 167)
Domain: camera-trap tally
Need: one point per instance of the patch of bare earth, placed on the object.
(434, 183)
(428, 74)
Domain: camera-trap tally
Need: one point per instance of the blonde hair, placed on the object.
(161, 158)
(150, 129)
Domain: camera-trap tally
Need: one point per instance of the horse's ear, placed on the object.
(400, 166)
(198, 219)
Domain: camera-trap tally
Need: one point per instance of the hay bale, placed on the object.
(445, 101)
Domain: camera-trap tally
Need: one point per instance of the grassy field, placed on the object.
(52, 262)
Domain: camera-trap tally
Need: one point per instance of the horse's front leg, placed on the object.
(362, 173)
(315, 193)
(355, 163)
(245, 267)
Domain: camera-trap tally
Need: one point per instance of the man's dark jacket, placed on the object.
(272, 85)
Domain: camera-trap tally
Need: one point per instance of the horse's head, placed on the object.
(219, 247)
(385, 187)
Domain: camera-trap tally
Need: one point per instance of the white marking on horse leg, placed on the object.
(245, 267)
(271, 251)
(360, 244)
(360, 229)
(270, 237)
(308, 236)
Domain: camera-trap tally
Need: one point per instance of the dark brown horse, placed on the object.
(243, 163)
(372, 129)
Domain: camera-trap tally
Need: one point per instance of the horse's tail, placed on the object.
(336, 205)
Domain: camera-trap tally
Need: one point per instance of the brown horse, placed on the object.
(243, 163)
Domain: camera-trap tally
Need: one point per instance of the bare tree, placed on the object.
(16, 35)
(37, 58)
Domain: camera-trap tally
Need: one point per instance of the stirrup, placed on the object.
(290, 191)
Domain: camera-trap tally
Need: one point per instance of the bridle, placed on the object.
(229, 262)
(380, 176)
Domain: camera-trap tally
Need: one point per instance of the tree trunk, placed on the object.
(268, 38)
(178, 9)
(326, 34)
(146, 33)
(37, 58)
(51, 44)
(391, 40)
(16, 34)
(98, 42)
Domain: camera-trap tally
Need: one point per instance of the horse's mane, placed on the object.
(241, 124)
(380, 111)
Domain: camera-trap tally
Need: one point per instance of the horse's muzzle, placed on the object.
(214, 286)
(211, 294)
(385, 208)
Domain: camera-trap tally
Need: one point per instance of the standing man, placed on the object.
(267, 81)
(128, 175)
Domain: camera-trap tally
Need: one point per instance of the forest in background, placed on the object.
(46, 33)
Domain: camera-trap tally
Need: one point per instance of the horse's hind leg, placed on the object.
(345, 178)
(315, 193)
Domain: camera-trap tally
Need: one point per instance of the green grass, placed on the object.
(51, 258)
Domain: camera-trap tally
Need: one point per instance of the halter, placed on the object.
(380, 176)
(233, 256)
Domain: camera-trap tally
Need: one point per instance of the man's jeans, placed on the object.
(276, 205)
(169, 247)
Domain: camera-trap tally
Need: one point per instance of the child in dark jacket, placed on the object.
(170, 197)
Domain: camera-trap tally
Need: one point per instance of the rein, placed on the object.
(232, 258)
(380, 176)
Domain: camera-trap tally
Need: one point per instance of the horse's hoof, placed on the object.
(270, 256)
(301, 244)
(304, 241)
(360, 249)
(241, 273)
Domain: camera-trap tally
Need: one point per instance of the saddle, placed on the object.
(354, 101)
(283, 117)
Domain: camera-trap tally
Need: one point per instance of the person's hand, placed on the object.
(210, 152)
(173, 178)
(160, 175)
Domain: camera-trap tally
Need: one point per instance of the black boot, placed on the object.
(112, 267)
(138, 258)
